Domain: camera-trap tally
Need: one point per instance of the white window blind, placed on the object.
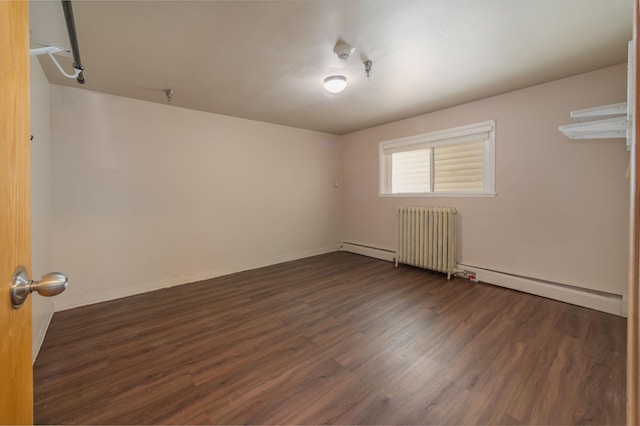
(412, 171)
(455, 161)
(459, 168)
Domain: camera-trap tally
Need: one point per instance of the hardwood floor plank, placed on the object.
(332, 339)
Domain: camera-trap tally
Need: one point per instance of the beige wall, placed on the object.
(561, 213)
(41, 190)
(150, 195)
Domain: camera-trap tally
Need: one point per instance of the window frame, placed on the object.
(452, 136)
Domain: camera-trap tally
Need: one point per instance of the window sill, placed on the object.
(442, 194)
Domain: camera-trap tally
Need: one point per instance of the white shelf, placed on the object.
(598, 129)
(615, 121)
(600, 112)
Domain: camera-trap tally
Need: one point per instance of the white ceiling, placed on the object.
(266, 60)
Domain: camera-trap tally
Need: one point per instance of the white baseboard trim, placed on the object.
(133, 289)
(605, 302)
(600, 301)
(365, 250)
(40, 334)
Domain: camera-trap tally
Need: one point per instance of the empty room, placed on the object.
(319, 212)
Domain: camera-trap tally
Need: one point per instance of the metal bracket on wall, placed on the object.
(50, 50)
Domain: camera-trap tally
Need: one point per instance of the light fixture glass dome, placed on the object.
(335, 83)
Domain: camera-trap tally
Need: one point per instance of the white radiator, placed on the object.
(426, 237)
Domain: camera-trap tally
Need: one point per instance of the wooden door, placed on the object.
(633, 326)
(16, 374)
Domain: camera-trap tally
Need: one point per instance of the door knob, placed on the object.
(21, 286)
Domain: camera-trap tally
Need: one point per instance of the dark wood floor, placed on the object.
(335, 339)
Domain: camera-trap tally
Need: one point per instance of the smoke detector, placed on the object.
(343, 50)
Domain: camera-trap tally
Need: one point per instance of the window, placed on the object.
(452, 162)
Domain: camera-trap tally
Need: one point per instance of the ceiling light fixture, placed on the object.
(335, 83)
